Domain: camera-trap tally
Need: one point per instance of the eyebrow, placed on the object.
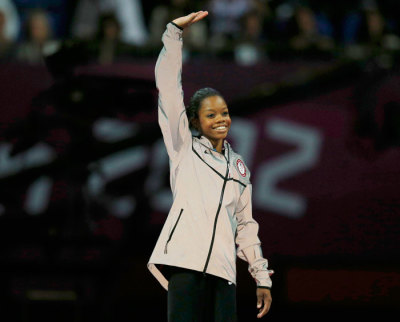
(210, 109)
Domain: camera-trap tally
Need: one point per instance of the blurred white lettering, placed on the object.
(267, 196)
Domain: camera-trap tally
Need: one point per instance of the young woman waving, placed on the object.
(210, 221)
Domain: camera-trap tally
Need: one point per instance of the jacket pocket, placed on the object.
(172, 231)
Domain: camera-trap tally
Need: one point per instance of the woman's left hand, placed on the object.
(264, 300)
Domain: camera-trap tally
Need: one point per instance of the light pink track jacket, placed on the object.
(211, 210)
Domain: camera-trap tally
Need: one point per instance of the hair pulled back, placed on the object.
(192, 110)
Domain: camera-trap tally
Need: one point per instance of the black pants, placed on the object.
(194, 296)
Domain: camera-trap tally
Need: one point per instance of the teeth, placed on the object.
(220, 128)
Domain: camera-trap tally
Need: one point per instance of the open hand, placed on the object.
(263, 295)
(190, 19)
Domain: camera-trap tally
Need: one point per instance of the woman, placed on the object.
(39, 41)
(212, 200)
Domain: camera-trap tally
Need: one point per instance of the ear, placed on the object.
(195, 123)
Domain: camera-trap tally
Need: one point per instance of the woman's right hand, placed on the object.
(190, 19)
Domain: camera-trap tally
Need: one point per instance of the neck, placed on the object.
(217, 145)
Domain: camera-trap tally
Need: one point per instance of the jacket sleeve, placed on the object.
(171, 109)
(249, 245)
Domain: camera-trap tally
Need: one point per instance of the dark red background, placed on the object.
(351, 223)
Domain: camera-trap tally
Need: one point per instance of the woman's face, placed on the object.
(111, 30)
(39, 28)
(213, 119)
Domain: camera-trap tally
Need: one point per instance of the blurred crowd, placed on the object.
(248, 31)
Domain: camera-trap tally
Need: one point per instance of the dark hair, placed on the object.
(192, 110)
(104, 19)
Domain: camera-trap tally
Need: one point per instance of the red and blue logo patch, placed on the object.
(241, 167)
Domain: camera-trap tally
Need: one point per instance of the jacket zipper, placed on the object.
(172, 232)
(216, 217)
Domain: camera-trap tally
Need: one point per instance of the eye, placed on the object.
(225, 113)
(210, 115)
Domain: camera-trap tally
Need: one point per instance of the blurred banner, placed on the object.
(83, 168)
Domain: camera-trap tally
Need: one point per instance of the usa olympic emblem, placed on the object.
(241, 167)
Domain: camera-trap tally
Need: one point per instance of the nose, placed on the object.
(221, 121)
(221, 118)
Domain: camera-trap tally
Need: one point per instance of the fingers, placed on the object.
(263, 298)
(191, 18)
(199, 15)
(264, 310)
(259, 302)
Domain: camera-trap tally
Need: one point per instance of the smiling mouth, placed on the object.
(221, 128)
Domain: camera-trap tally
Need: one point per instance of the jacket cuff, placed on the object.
(176, 25)
(173, 32)
(261, 274)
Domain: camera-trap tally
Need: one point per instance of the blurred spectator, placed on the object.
(225, 22)
(107, 45)
(6, 44)
(11, 20)
(368, 32)
(250, 48)
(58, 12)
(195, 36)
(38, 39)
(307, 35)
(128, 12)
(161, 15)
(337, 13)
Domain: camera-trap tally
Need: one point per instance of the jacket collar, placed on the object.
(206, 142)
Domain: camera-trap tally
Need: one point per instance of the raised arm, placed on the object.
(171, 109)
